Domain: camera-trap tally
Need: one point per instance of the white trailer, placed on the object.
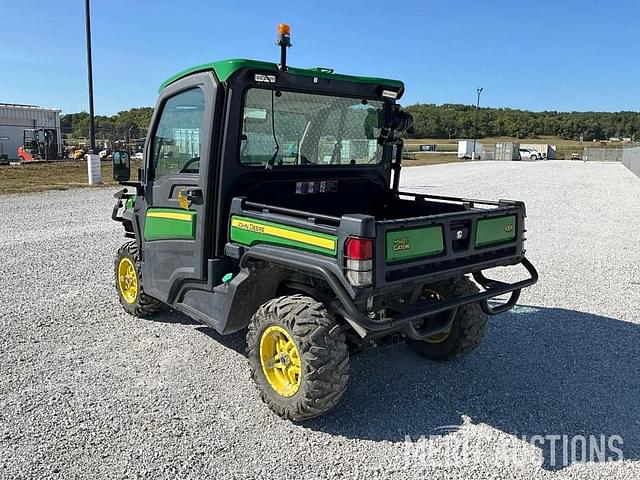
(465, 149)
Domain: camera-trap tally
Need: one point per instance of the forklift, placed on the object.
(38, 144)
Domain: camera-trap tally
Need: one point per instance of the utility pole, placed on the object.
(92, 132)
(475, 123)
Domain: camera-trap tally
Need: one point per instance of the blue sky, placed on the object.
(538, 55)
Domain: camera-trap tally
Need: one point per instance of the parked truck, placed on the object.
(269, 201)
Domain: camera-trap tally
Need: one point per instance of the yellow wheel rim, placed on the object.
(280, 361)
(441, 337)
(127, 280)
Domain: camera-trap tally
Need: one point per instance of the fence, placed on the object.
(631, 159)
(602, 154)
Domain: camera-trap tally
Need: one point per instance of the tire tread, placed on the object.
(322, 347)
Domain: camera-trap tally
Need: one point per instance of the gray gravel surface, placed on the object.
(89, 392)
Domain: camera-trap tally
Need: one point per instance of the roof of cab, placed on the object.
(226, 68)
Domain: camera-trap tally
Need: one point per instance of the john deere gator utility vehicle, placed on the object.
(269, 200)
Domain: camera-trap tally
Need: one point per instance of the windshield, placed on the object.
(301, 129)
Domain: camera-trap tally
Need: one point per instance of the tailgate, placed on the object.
(483, 235)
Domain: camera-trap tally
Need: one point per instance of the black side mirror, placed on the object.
(121, 166)
(392, 120)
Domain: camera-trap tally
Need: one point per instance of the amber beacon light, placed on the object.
(284, 42)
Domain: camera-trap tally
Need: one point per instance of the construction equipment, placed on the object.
(269, 200)
(38, 144)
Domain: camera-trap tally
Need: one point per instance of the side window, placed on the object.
(177, 145)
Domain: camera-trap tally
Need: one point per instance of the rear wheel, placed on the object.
(298, 357)
(129, 283)
(468, 326)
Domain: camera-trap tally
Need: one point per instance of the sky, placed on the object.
(561, 55)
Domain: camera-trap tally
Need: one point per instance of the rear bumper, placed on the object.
(404, 321)
(344, 305)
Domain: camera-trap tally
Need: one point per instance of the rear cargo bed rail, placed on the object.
(468, 201)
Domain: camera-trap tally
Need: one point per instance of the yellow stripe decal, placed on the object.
(284, 233)
(171, 215)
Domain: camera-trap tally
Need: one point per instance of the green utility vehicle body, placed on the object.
(287, 227)
(269, 197)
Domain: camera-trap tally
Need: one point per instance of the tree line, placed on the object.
(130, 123)
(460, 121)
(430, 121)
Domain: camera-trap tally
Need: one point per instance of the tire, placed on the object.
(534, 157)
(133, 300)
(322, 357)
(467, 330)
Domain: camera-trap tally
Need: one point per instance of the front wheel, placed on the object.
(129, 283)
(468, 326)
(298, 357)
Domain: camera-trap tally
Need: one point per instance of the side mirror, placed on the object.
(121, 166)
(393, 120)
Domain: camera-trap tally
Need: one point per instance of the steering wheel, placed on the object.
(188, 163)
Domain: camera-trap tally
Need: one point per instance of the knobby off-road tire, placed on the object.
(469, 324)
(139, 304)
(323, 356)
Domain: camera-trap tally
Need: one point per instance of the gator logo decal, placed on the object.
(401, 244)
(508, 228)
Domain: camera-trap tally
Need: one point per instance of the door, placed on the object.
(178, 161)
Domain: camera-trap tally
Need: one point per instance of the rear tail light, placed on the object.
(358, 254)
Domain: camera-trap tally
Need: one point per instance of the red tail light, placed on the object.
(358, 253)
(358, 248)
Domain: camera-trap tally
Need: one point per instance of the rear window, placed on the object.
(283, 129)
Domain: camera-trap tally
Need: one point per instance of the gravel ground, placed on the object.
(89, 392)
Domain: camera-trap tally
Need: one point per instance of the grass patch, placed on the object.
(564, 148)
(414, 159)
(39, 177)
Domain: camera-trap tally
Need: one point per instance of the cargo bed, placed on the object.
(417, 237)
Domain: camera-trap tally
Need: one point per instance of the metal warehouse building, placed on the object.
(14, 119)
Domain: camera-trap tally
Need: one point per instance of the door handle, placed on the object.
(194, 195)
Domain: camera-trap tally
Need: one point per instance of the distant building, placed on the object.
(15, 118)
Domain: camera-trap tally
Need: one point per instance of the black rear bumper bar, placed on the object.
(344, 305)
